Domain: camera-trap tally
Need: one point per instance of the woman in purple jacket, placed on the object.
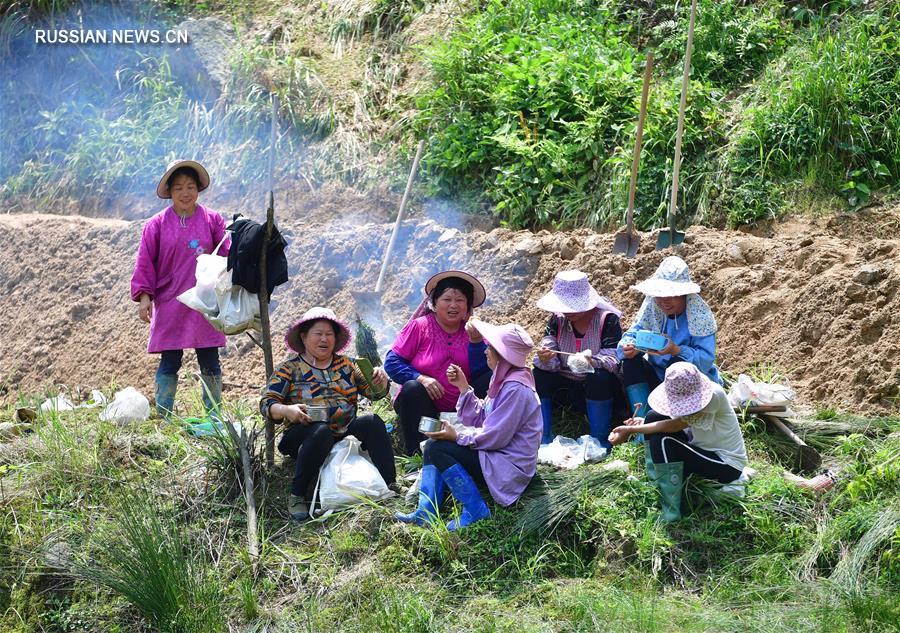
(166, 262)
(498, 446)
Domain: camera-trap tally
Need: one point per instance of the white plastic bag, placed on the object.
(564, 452)
(347, 477)
(59, 403)
(128, 405)
(745, 392)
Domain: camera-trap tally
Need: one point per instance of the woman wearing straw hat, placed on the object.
(166, 260)
(435, 337)
(687, 398)
(673, 307)
(320, 376)
(499, 443)
(582, 320)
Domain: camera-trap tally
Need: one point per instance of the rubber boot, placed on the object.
(547, 416)
(466, 492)
(670, 480)
(212, 395)
(431, 494)
(166, 386)
(638, 394)
(599, 415)
(298, 508)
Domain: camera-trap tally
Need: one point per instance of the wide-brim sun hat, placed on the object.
(479, 293)
(685, 390)
(671, 279)
(162, 188)
(341, 329)
(511, 341)
(572, 292)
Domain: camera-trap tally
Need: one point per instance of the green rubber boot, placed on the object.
(670, 481)
(212, 395)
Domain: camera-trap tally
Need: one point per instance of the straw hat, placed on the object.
(479, 293)
(684, 391)
(571, 293)
(510, 341)
(342, 331)
(671, 279)
(162, 188)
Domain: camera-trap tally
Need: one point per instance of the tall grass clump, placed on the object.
(147, 559)
(824, 115)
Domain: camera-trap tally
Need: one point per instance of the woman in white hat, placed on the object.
(319, 375)
(498, 445)
(582, 320)
(435, 337)
(166, 262)
(687, 398)
(672, 307)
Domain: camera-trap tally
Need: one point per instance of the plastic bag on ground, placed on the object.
(348, 476)
(564, 452)
(57, 403)
(128, 405)
(745, 392)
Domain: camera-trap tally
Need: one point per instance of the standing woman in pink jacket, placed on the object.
(166, 261)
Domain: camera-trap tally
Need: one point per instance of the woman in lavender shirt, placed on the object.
(498, 445)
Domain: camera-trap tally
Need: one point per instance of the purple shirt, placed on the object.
(430, 350)
(166, 262)
(506, 432)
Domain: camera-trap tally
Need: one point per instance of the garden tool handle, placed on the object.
(403, 201)
(636, 159)
(676, 168)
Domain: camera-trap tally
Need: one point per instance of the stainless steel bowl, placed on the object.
(429, 425)
(317, 412)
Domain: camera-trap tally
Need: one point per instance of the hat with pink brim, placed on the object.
(684, 391)
(342, 331)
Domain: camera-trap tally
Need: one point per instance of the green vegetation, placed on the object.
(107, 528)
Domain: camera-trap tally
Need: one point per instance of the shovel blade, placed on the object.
(626, 244)
(667, 238)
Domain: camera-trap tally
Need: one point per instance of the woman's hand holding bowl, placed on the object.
(295, 413)
(447, 432)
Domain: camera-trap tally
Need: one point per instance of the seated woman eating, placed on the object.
(687, 399)
(582, 320)
(434, 338)
(315, 393)
(499, 444)
(672, 307)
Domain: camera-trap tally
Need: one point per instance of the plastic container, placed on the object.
(650, 341)
(318, 412)
(429, 425)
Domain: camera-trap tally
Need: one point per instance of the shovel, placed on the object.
(627, 241)
(671, 237)
(367, 299)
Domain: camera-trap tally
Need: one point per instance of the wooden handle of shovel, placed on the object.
(636, 159)
(676, 168)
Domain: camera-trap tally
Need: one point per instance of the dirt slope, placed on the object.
(818, 299)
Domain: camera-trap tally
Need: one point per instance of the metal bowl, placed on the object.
(429, 425)
(317, 412)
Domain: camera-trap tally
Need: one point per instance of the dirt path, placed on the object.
(817, 299)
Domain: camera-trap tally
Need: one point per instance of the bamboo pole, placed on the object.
(266, 342)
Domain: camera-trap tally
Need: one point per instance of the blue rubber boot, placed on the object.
(166, 386)
(431, 494)
(638, 394)
(547, 416)
(466, 492)
(599, 415)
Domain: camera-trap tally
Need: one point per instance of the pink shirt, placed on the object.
(430, 350)
(166, 261)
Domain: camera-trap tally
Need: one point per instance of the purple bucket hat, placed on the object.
(684, 391)
(671, 279)
(342, 331)
(510, 341)
(572, 292)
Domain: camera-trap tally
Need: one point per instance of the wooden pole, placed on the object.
(263, 281)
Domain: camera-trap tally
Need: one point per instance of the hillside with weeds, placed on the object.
(127, 528)
(529, 107)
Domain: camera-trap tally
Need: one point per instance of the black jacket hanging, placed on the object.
(243, 258)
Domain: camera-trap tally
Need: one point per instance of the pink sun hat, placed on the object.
(511, 341)
(571, 293)
(684, 391)
(342, 331)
